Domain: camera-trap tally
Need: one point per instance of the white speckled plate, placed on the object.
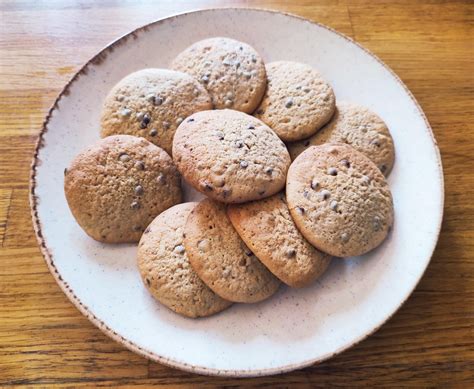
(295, 328)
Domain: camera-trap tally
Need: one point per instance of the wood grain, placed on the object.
(45, 341)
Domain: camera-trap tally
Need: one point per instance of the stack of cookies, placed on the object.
(290, 178)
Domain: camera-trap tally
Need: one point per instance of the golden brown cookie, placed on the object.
(268, 230)
(297, 101)
(339, 200)
(221, 258)
(232, 72)
(230, 156)
(165, 268)
(117, 186)
(151, 103)
(358, 127)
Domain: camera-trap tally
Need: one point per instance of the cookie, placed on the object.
(232, 72)
(221, 258)
(230, 156)
(117, 186)
(358, 127)
(165, 268)
(339, 200)
(151, 103)
(297, 101)
(268, 230)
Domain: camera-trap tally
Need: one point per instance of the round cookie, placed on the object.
(232, 72)
(151, 103)
(221, 258)
(117, 186)
(269, 231)
(297, 101)
(165, 268)
(230, 156)
(339, 200)
(358, 127)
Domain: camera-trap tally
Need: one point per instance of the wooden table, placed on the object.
(45, 341)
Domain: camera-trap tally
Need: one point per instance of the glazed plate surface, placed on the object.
(294, 328)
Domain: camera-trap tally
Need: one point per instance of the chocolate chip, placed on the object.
(244, 164)
(306, 90)
(345, 237)
(254, 59)
(140, 165)
(289, 103)
(65, 171)
(314, 183)
(147, 280)
(306, 194)
(158, 100)
(306, 143)
(205, 79)
(124, 157)
(290, 253)
(161, 178)
(190, 120)
(135, 205)
(260, 112)
(376, 223)
(153, 132)
(333, 205)
(220, 135)
(250, 127)
(208, 187)
(147, 230)
(375, 142)
(247, 252)
(239, 144)
(269, 171)
(346, 163)
(136, 228)
(298, 87)
(300, 210)
(139, 190)
(383, 168)
(332, 171)
(325, 194)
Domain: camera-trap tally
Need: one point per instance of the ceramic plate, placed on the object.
(294, 328)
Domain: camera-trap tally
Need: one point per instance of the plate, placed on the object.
(294, 328)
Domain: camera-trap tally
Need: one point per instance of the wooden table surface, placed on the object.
(45, 341)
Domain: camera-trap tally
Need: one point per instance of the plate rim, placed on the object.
(33, 200)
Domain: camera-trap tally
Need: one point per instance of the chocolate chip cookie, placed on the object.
(232, 72)
(339, 200)
(221, 258)
(230, 156)
(297, 102)
(151, 103)
(117, 186)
